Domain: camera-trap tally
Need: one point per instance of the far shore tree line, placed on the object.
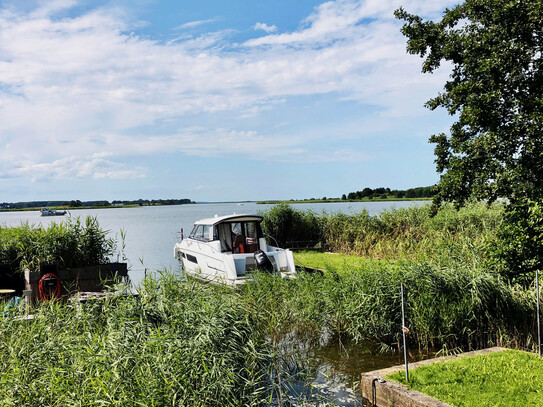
(76, 203)
(387, 193)
(383, 193)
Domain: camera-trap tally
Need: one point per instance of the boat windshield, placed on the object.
(201, 232)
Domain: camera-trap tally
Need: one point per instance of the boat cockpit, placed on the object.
(234, 236)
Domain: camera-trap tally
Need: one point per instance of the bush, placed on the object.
(519, 249)
(286, 224)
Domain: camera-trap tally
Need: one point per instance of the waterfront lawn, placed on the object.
(508, 378)
(336, 262)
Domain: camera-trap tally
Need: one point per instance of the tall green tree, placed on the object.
(495, 92)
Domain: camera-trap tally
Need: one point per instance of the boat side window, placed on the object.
(207, 233)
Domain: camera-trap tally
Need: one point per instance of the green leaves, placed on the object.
(494, 148)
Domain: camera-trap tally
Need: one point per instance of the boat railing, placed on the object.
(271, 237)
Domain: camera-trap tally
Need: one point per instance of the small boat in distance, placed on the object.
(225, 249)
(45, 211)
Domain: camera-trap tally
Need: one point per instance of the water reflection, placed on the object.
(322, 369)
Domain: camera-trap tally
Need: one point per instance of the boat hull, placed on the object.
(226, 268)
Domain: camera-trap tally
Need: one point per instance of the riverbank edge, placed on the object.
(384, 392)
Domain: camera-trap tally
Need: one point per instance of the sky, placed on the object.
(212, 100)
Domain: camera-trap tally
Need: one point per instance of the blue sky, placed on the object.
(212, 100)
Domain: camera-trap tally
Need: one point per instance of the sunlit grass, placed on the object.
(509, 378)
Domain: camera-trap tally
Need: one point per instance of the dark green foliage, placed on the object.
(286, 224)
(384, 193)
(494, 149)
(178, 343)
(69, 243)
(519, 252)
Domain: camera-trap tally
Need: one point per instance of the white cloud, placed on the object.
(193, 24)
(87, 83)
(72, 168)
(265, 27)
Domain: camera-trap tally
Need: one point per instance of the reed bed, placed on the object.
(461, 236)
(176, 343)
(446, 308)
(71, 243)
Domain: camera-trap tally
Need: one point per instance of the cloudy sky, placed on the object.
(212, 100)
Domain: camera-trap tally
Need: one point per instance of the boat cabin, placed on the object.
(232, 234)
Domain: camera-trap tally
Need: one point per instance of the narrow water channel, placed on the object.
(320, 370)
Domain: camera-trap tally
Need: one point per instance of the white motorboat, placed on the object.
(225, 249)
(51, 212)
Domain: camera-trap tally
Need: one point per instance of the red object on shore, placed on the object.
(50, 286)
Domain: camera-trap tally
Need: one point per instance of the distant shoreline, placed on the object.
(268, 202)
(308, 201)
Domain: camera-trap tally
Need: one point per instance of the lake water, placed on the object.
(151, 231)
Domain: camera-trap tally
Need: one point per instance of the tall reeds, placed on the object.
(411, 233)
(446, 308)
(176, 343)
(71, 243)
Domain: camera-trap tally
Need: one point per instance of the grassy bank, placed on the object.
(452, 236)
(480, 380)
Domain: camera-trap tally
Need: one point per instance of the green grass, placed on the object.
(509, 378)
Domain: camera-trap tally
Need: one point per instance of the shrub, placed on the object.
(286, 224)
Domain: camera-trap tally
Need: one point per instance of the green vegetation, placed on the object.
(463, 236)
(362, 301)
(369, 195)
(444, 261)
(387, 193)
(177, 343)
(494, 147)
(184, 343)
(509, 378)
(71, 243)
